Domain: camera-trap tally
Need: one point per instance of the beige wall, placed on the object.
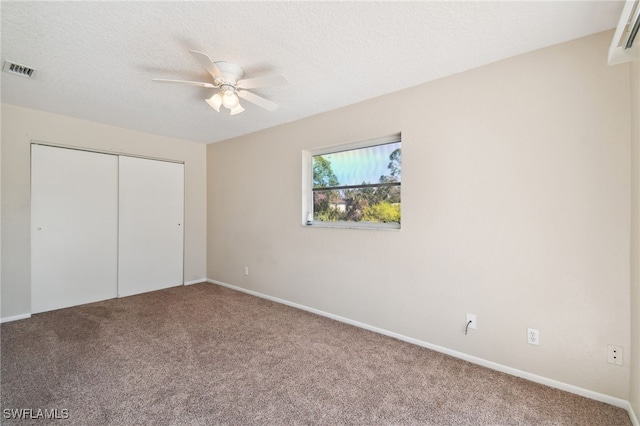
(20, 126)
(634, 395)
(515, 208)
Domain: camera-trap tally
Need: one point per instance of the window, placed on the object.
(356, 185)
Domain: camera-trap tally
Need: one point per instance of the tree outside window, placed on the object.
(360, 185)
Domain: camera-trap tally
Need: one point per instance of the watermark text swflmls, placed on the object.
(38, 413)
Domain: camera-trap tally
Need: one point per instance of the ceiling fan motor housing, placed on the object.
(231, 72)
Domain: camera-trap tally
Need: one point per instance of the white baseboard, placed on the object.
(201, 280)
(621, 403)
(15, 318)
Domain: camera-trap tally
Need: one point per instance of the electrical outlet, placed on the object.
(533, 337)
(472, 324)
(614, 354)
(246, 270)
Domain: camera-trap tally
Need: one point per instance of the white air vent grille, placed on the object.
(17, 69)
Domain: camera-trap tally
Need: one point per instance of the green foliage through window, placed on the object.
(359, 185)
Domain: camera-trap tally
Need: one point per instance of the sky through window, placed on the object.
(354, 167)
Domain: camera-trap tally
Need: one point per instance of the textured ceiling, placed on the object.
(95, 60)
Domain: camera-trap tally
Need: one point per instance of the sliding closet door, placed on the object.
(151, 225)
(74, 219)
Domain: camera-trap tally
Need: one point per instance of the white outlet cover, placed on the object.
(472, 318)
(614, 354)
(533, 337)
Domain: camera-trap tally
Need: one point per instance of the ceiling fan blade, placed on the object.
(191, 83)
(208, 64)
(266, 81)
(258, 100)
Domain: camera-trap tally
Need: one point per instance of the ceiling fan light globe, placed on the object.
(215, 101)
(230, 99)
(237, 110)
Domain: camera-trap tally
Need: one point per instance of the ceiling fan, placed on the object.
(227, 78)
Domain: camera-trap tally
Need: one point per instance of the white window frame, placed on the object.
(307, 184)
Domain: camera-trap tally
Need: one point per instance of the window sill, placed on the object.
(356, 225)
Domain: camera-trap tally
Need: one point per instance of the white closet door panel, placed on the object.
(74, 205)
(151, 225)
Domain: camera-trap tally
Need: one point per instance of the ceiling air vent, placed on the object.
(17, 69)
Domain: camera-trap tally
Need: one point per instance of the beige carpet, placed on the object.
(206, 355)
